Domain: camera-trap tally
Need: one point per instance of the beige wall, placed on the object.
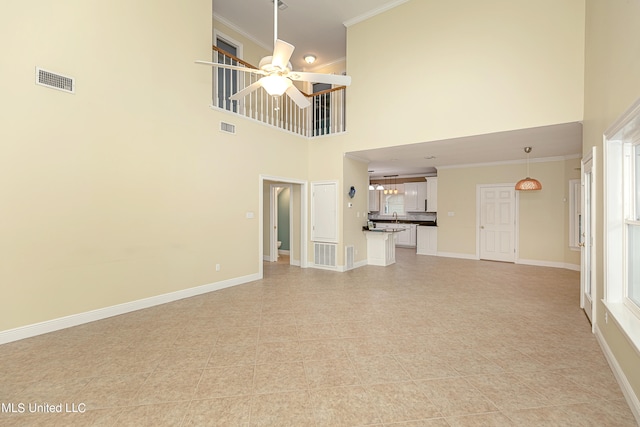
(611, 86)
(127, 189)
(543, 218)
(470, 67)
(355, 217)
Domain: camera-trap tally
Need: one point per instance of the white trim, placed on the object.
(52, 325)
(283, 252)
(303, 262)
(543, 263)
(626, 321)
(372, 13)
(512, 162)
(618, 373)
(458, 255)
(217, 34)
(223, 21)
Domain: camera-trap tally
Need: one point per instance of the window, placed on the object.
(632, 223)
(622, 223)
(393, 203)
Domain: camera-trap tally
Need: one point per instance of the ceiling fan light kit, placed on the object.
(528, 184)
(277, 72)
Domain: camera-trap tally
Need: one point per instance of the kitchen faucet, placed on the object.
(395, 216)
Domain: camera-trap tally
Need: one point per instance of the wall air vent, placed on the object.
(55, 81)
(324, 255)
(349, 256)
(227, 127)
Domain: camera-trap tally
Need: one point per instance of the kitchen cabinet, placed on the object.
(432, 194)
(427, 243)
(415, 194)
(374, 201)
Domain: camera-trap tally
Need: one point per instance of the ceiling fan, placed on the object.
(277, 74)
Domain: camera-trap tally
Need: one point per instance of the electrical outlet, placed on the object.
(217, 267)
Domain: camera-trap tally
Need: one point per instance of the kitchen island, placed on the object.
(381, 245)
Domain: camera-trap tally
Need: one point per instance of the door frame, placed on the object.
(303, 186)
(275, 190)
(516, 222)
(588, 165)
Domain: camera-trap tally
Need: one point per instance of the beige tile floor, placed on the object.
(426, 342)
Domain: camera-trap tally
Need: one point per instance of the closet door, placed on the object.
(324, 211)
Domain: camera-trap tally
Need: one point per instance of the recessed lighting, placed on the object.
(309, 59)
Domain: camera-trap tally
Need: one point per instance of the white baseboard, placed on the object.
(115, 310)
(627, 390)
(283, 252)
(539, 263)
(457, 255)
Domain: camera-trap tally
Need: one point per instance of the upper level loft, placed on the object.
(325, 116)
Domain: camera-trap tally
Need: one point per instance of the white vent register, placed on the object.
(55, 80)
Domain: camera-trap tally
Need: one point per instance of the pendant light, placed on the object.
(528, 184)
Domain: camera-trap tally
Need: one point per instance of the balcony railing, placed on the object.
(325, 116)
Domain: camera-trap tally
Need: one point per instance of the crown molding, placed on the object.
(372, 13)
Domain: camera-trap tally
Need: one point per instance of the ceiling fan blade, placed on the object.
(332, 79)
(231, 67)
(246, 91)
(282, 52)
(298, 97)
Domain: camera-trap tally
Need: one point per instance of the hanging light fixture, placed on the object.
(387, 190)
(395, 188)
(528, 184)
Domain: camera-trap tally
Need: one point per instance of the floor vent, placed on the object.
(348, 251)
(227, 127)
(324, 254)
(55, 81)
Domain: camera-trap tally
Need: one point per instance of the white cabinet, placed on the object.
(427, 243)
(432, 194)
(405, 238)
(415, 194)
(374, 201)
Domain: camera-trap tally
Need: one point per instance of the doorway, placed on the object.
(587, 224)
(496, 211)
(281, 223)
(296, 204)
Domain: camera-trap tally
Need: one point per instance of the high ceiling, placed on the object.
(312, 26)
(319, 28)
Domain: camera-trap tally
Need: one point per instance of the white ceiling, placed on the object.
(312, 26)
(564, 140)
(319, 28)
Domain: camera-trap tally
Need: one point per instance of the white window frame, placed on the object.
(618, 200)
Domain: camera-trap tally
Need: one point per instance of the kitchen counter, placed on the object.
(408, 221)
(381, 246)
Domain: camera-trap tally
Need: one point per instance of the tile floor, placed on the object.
(426, 342)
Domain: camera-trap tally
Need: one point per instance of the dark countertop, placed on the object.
(409, 221)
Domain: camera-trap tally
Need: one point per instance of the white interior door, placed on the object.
(587, 290)
(497, 223)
